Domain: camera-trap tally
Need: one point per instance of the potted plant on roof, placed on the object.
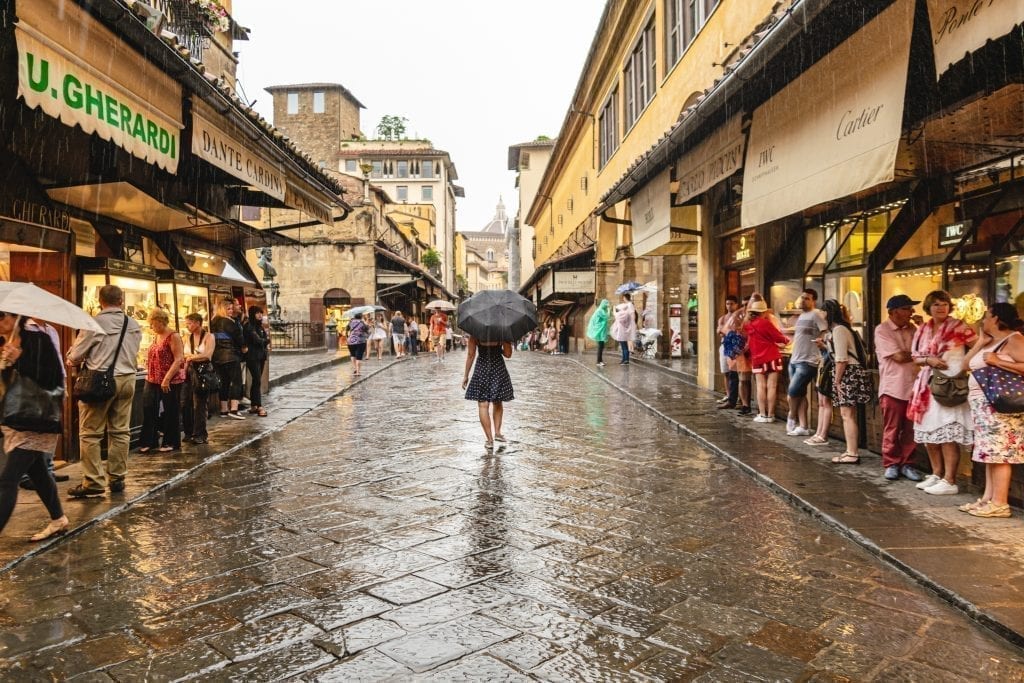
(212, 15)
(431, 260)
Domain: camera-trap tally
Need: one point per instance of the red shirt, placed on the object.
(763, 339)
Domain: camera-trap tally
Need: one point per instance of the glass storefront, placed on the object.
(180, 299)
(140, 293)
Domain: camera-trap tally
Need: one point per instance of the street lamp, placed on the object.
(367, 168)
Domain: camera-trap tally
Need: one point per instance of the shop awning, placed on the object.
(710, 162)
(659, 229)
(217, 142)
(75, 70)
(835, 130)
(960, 27)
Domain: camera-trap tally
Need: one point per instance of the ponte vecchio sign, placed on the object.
(962, 26)
(834, 130)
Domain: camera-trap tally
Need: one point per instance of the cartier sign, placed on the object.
(835, 130)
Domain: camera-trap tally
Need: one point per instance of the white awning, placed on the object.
(834, 130)
(960, 27)
(650, 210)
(712, 161)
(79, 72)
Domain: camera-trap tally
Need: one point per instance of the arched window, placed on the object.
(490, 254)
(336, 297)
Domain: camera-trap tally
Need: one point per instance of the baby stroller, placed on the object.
(646, 343)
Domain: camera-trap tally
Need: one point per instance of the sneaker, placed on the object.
(744, 410)
(117, 486)
(799, 431)
(943, 488)
(82, 492)
(600, 365)
(930, 480)
(726, 406)
(910, 472)
(991, 510)
(892, 472)
(764, 419)
(236, 416)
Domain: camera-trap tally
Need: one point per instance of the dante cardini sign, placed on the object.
(78, 93)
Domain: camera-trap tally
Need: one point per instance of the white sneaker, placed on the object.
(790, 426)
(799, 431)
(764, 419)
(943, 488)
(930, 480)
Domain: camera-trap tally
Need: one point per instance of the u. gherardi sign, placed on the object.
(83, 88)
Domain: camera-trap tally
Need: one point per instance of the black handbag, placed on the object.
(97, 386)
(204, 377)
(27, 407)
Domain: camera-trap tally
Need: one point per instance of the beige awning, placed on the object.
(960, 27)
(78, 71)
(299, 196)
(834, 130)
(659, 229)
(219, 147)
(712, 161)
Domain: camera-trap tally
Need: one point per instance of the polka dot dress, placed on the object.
(490, 381)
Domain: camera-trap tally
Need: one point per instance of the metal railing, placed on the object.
(297, 336)
(183, 20)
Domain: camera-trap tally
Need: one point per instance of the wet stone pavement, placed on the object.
(374, 538)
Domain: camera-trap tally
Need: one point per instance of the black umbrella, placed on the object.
(497, 315)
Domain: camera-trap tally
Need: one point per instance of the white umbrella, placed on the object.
(24, 298)
(441, 304)
(357, 309)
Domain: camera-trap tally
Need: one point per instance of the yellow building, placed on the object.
(648, 62)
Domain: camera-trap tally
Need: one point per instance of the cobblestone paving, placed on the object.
(376, 539)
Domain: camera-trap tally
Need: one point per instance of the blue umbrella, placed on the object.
(628, 287)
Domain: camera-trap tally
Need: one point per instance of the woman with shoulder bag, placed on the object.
(998, 437)
(195, 403)
(31, 353)
(851, 386)
(258, 342)
(939, 346)
(165, 373)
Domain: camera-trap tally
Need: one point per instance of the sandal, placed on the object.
(967, 507)
(261, 412)
(57, 527)
(499, 437)
(815, 441)
(488, 445)
(846, 459)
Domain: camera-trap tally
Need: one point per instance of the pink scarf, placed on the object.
(932, 341)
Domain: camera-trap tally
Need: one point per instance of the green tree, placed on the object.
(391, 127)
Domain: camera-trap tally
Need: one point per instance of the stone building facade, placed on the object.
(319, 117)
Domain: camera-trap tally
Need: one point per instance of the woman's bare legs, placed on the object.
(824, 416)
(497, 413)
(850, 429)
(936, 460)
(483, 408)
(951, 459)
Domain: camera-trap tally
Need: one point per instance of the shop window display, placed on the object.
(1010, 282)
(180, 300)
(139, 298)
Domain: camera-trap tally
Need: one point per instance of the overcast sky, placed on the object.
(472, 76)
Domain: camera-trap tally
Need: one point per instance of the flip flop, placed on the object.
(815, 441)
(846, 459)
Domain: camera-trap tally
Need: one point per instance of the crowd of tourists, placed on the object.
(369, 335)
(187, 377)
(941, 383)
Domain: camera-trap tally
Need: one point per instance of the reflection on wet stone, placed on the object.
(565, 557)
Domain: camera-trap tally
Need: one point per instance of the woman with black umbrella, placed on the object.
(492, 319)
(491, 385)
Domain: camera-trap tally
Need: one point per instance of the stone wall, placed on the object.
(319, 135)
(307, 272)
